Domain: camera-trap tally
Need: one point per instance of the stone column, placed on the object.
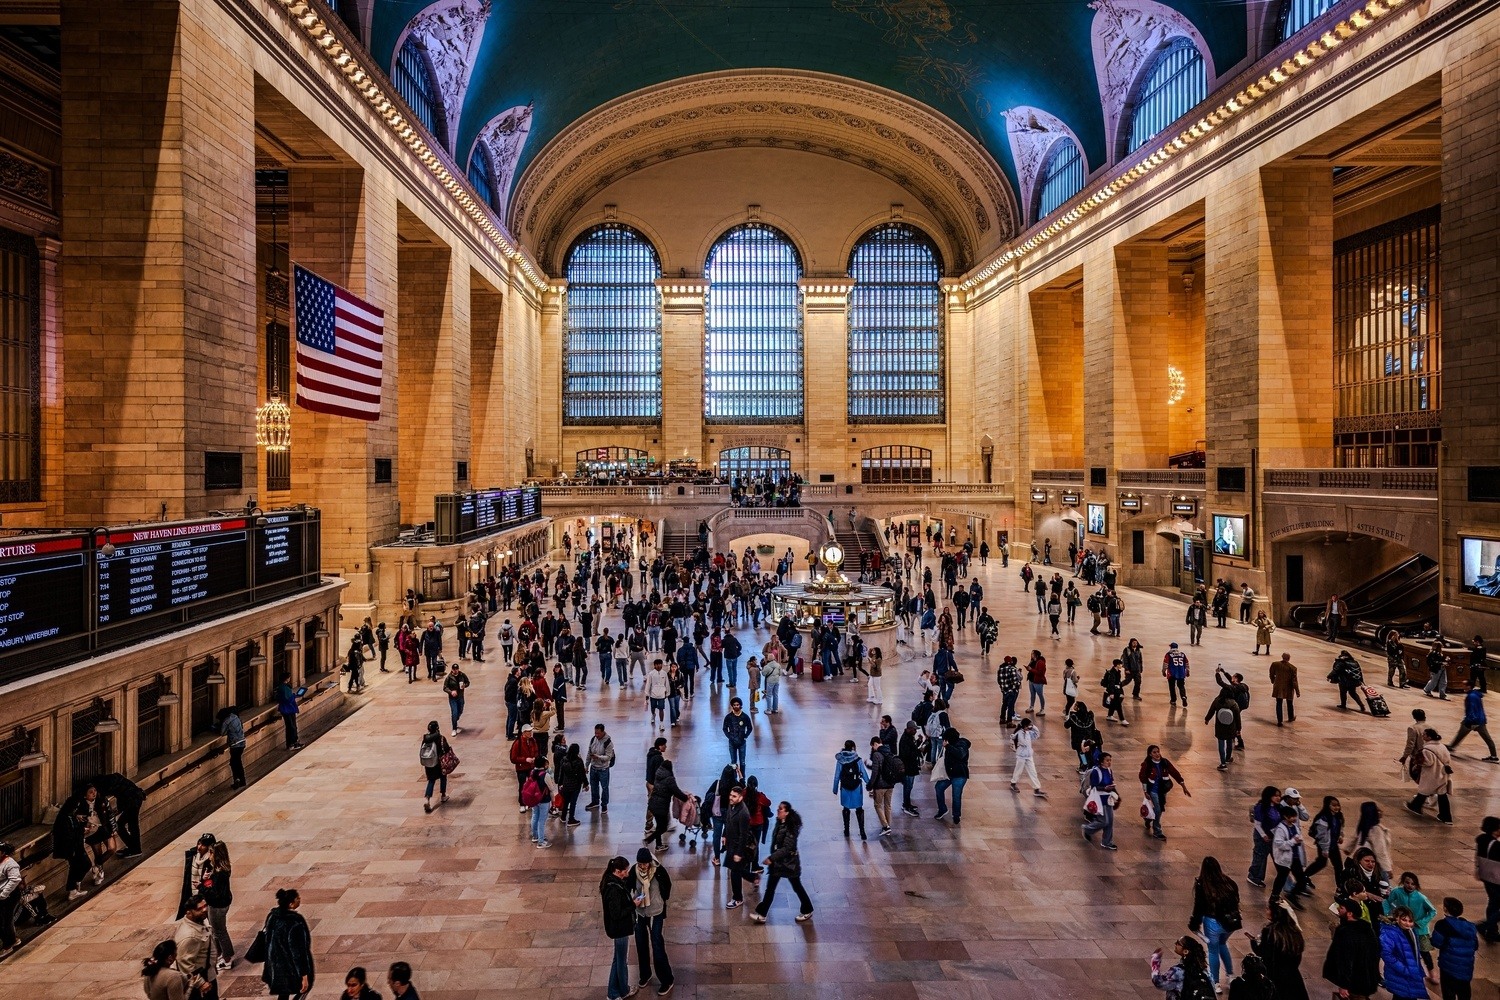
(433, 383)
(1268, 345)
(158, 233)
(1469, 263)
(1052, 394)
(682, 368)
(488, 385)
(958, 382)
(549, 398)
(343, 228)
(825, 374)
(49, 252)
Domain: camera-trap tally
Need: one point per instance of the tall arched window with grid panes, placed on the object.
(417, 84)
(752, 351)
(481, 176)
(1174, 82)
(1062, 177)
(895, 328)
(612, 343)
(1298, 14)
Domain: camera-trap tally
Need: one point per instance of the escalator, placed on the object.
(1405, 594)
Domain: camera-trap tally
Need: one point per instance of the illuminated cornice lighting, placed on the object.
(347, 62)
(1274, 78)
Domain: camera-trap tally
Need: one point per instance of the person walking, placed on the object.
(955, 757)
(784, 862)
(430, 755)
(619, 924)
(1474, 720)
(909, 749)
(195, 948)
(1435, 778)
(454, 686)
(1156, 776)
(1456, 941)
(1197, 618)
(601, 758)
(1224, 713)
(1349, 676)
(1131, 661)
(1174, 667)
(1263, 629)
(10, 897)
(289, 971)
(1352, 964)
(886, 772)
(736, 846)
(1284, 689)
(161, 977)
(233, 731)
(1437, 672)
(1487, 870)
(1101, 785)
(664, 789)
(1286, 855)
(650, 889)
(849, 780)
(399, 978)
(1327, 832)
(1021, 741)
(1216, 915)
(285, 697)
(1400, 957)
(572, 775)
(737, 727)
(1280, 944)
(1188, 979)
(216, 887)
(658, 688)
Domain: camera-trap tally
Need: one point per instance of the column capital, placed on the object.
(553, 295)
(825, 294)
(682, 295)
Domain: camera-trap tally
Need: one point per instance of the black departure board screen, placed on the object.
(43, 591)
(162, 569)
(462, 516)
(531, 503)
(280, 548)
(510, 506)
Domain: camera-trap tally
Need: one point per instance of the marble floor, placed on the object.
(1012, 904)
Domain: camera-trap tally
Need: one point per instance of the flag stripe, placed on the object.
(340, 349)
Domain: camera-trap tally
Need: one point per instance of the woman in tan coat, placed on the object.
(1435, 778)
(1284, 687)
(1263, 629)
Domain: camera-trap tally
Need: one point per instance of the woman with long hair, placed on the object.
(1328, 833)
(1372, 833)
(163, 980)
(289, 968)
(785, 863)
(1280, 945)
(1188, 979)
(1216, 915)
(217, 892)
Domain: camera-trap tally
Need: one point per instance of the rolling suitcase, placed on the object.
(798, 666)
(817, 670)
(1378, 708)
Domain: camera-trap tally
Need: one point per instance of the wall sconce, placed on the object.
(320, 632)
(257, 658)
(107, 722)
(291, 643)
(1176, 384)
(216, 675)
(33, 757)
(167, 697)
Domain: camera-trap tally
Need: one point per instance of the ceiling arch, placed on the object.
(958, 183)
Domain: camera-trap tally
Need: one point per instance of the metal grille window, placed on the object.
(1298, 14)
(1387, 324)
(895, 328)
(896, 463)
(752, 356)
(1061, 178)
(17, 787)
(481, 176)
(755, 461)
(151, 726)
(612, 460)
(417, 85)
(202, 711)
(93, 752)
(244, 678)
(612, 345)
(20, 370)
(1176, 82)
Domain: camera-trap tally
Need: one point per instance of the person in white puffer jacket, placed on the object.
(658, 686)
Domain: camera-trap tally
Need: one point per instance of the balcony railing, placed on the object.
(811, 492)
(1169, 478)
(1342, 480)
(1057, 476)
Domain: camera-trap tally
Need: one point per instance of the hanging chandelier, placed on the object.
(1176, 384)
(273, 425)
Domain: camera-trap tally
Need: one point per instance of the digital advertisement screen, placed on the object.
(1229, 535)
(163, 569)
(43, 591)
(1481, 566)
(1098, 519)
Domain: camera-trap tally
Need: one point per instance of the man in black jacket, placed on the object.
(130, 797)
(909, 749)
(619, 922)
(1353, 962)
(737, 846)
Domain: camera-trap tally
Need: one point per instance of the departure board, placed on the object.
(462, 516)
(510, 506)
(531, 503)
(43, 591)
(280, 549)
(163, 569)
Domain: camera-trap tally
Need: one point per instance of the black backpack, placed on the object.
(892, 770)
(849, 775)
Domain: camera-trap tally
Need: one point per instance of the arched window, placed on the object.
(417, 85)
(612, 344)
(755, 461)
(1176, 82)
(752, 351)
(895, 328)
(895, 463)
(481, 176)
(1061, 178)
(1298, 14)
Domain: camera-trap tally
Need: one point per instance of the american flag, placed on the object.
(340, 349)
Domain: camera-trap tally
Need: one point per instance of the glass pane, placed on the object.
(895, 328)
(612, 344)
(752, 352)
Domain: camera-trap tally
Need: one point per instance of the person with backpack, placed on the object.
(849, 780)
(1224, 713)
(601, 758)
(886, 772)
(955, 765)
(1188, 979)
(1021, 742)
(536, 796)
(1346, 673)
(430, 756)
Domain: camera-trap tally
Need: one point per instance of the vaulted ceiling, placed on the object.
(520, 72)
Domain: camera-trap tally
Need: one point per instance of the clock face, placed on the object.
(833, 553)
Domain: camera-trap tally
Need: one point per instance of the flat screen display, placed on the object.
(43, 592)
(1229, 535)
(280, 552)
(164, 569)
(1098, 519)
(1481, 566)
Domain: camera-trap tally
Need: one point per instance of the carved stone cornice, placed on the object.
(682, 295)
(952, 175)
(825, 294)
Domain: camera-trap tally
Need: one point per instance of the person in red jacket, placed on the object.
(524, 754)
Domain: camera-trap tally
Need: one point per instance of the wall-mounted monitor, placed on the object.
(1481, 566)
(1098, 519)
(1229, 537)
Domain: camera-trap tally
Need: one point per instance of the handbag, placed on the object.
(256, 953)
(448, 763)
(1231, 921)
(557, 800)
(939, 770)
(367, 651)
(955, 677)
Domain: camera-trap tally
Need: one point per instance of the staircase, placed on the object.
(854, 541)
(678, 540)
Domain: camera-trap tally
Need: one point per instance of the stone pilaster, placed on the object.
(682, 334)
(549, 398)
(962, 460)
(825, 371)
(1052, 392)
(433, 383)
(488, 384)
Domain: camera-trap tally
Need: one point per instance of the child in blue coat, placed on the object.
(1456, 941)
(1400, 959)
